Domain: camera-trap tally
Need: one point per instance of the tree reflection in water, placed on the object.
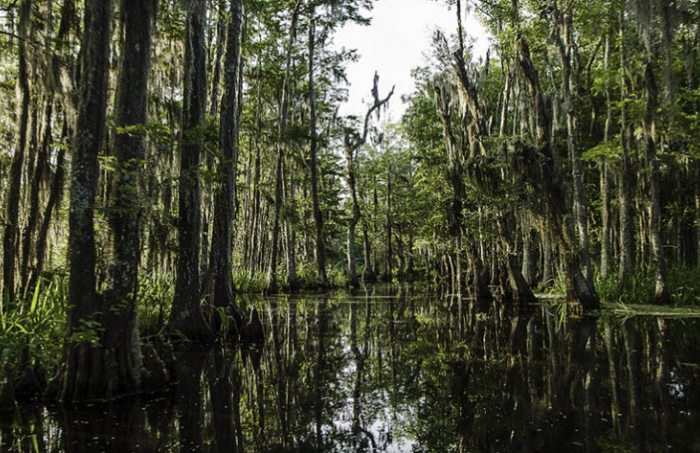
(395, 370)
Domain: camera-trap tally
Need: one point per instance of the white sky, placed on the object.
(393, 45)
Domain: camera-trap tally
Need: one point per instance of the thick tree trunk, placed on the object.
(87, 367)
(460, 31)
(187, 316)
(352, 274)
(221, 266)
(697, 213)
(124, 213)
(480, 281)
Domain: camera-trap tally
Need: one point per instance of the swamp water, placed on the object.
(394, 371)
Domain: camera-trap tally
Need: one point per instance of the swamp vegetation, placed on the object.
(163, 160)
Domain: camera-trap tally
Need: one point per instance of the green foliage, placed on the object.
(307, 275)
(88, 331)
(602, 152)
(154, 301)
(684, 285)
(337, 278)
(244, 283)
(36, 326)
(639, 288)
(682, 282)
(134, 130)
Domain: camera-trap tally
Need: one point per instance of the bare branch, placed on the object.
(12, 35)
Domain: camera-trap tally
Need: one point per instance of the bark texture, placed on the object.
(187, 316)
(87, 366)
(221, 267)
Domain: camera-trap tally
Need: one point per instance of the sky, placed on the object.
(393, 45)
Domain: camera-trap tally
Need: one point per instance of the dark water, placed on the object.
(407, 373)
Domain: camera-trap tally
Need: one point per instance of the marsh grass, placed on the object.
(156, 292)
(244, 283)
(683, 283)
(34, 329)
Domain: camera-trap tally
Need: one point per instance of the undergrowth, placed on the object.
(683, 283)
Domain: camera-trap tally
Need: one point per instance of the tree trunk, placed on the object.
(11, 233)
(87, 367)
(354, 216)
(187, 316)
(661, 295)
(388, 268)
(124, 212)
(221, 41)
(697, 213)
(221, 266)
(565, 45)
(313, 151)
(40, 169)
(528, 268)
(54, 200)
(625, 183)
(368, 274)
(256, 238)
(271, 280)
(289, 234)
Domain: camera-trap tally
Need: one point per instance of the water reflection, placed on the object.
(391, 370)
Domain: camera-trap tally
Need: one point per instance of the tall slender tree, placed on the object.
(352, 142)
(271, 284)
(320, 245)
(11, 234)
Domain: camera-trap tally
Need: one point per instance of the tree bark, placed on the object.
(38, 175)
(605, 252)
(187, 316)
(11, 233)
(565, 45)
(87, 367)
(271, 280)
(124, 212)
(625, 183)
(661, 294)
(221, 265)
(320, 245)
